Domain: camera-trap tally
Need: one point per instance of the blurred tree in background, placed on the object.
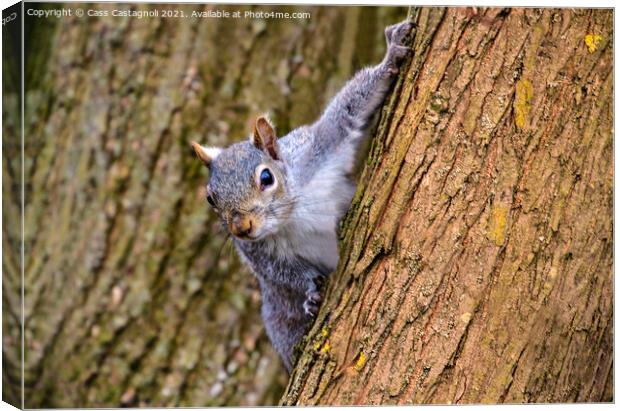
(134, 296)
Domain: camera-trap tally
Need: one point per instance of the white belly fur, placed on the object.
(311, 231)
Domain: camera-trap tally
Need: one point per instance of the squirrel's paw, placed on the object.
(396, 36)
(312, 303)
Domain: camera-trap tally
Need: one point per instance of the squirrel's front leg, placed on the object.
(353, 107)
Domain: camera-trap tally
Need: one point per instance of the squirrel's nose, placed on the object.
(241, 226)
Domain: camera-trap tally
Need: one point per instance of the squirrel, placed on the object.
(282, 199)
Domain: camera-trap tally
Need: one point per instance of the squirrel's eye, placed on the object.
(210, 200)
(266, 178)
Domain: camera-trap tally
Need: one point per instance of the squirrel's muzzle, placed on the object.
(241, 226)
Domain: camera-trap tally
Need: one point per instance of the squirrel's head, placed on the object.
(247, 184)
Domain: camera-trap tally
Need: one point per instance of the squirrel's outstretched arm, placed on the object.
(348, 114)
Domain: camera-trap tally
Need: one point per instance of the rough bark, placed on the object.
(476, 261)
(133, 295)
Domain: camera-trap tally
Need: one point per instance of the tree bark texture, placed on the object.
(133, 295)
(476, 261)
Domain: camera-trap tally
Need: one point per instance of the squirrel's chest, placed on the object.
(319, 247)
(311, 232)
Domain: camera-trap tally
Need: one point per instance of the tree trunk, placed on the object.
(476, 261)
(133, 295)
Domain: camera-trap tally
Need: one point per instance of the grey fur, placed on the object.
(297, 248)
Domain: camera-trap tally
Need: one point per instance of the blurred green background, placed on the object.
(134, 297)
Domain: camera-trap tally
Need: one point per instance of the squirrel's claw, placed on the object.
(310, 308)
(312, 303)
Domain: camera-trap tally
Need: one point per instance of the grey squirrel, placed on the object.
(282, 199)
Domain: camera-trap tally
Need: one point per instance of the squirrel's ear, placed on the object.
(264, 137)
(206, 154)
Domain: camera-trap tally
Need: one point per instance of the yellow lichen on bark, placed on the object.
(523, 102)
(326, 347)
(361, 361)
(497, 224)
(592, 41)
